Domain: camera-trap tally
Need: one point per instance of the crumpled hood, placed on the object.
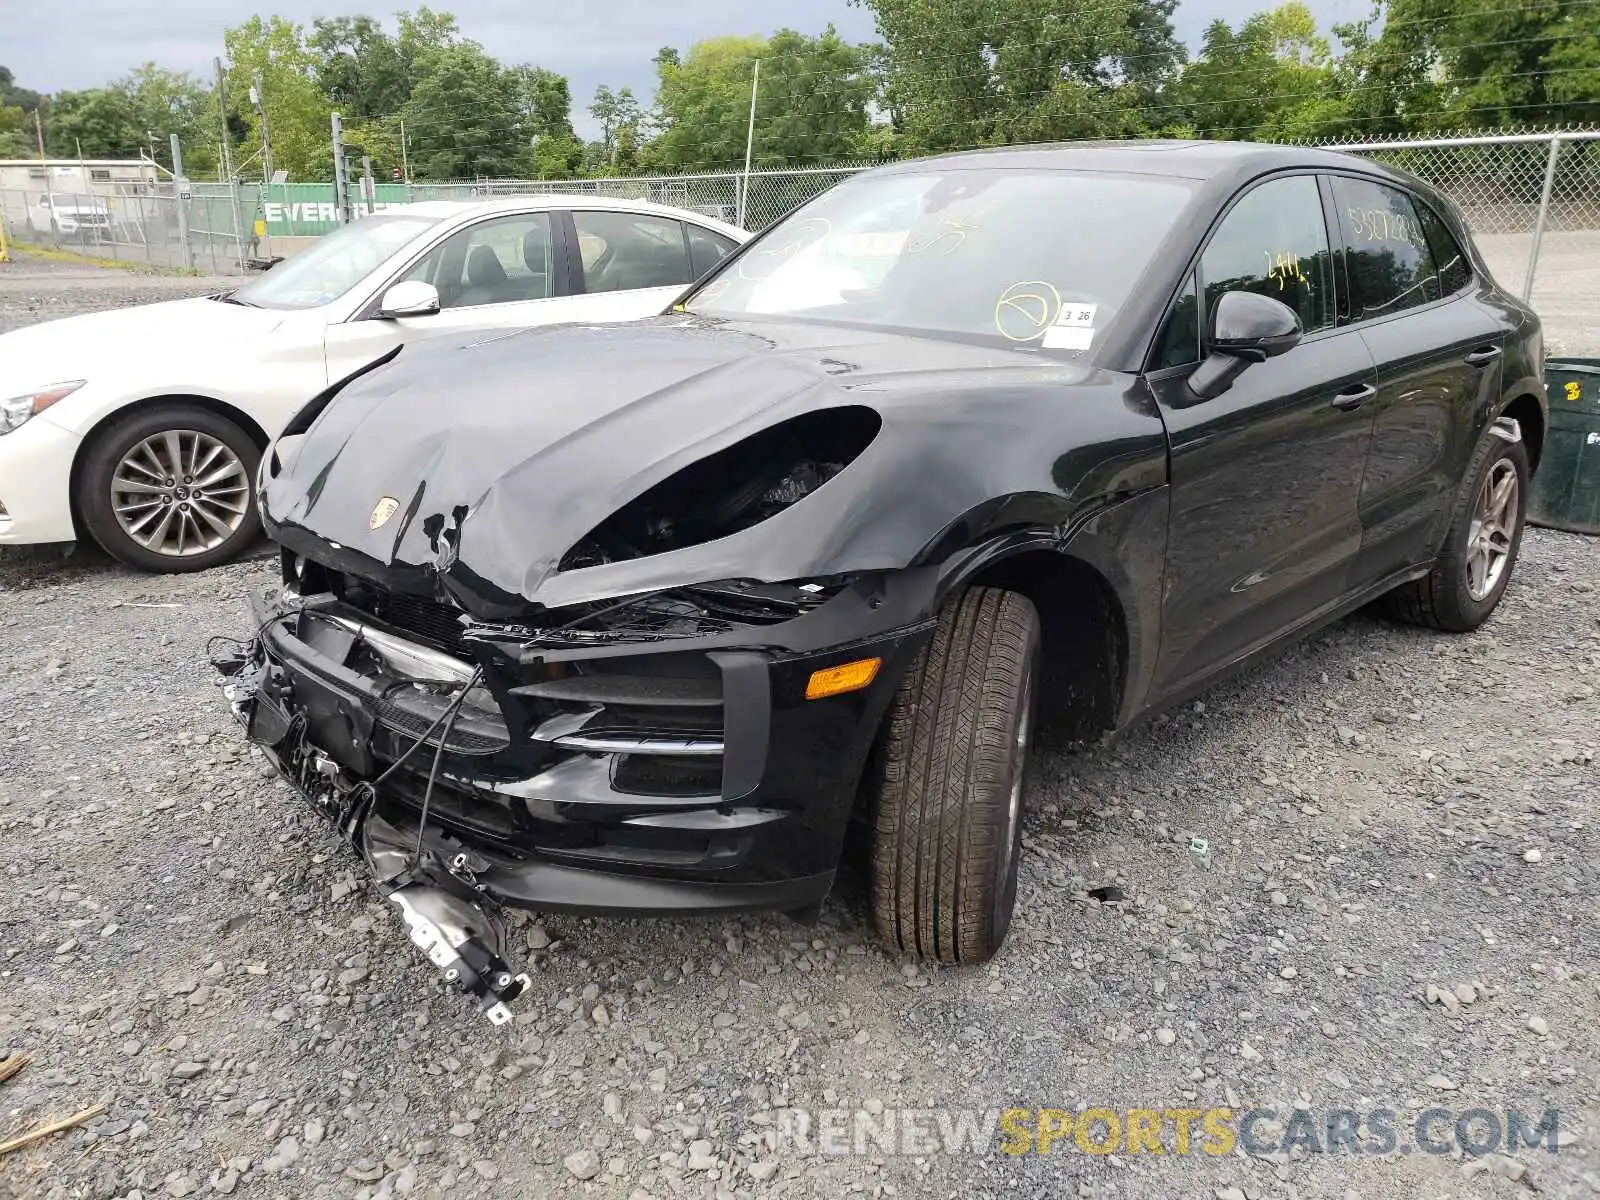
(121, 339)
(495, 455)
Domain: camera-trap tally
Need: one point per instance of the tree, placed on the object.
(465, 116)
(975, 72)
(12, 96)
(813, 99)
(359, 67)
(16, 132)
(811, 104)
(1436, 65)
(620, 120)
(1272, 78)
(97, 123)
(297, 112)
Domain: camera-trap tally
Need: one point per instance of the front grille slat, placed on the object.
(428, 619)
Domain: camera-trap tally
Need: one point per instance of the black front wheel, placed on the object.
(949, 791)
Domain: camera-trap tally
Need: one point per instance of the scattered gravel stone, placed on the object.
(283, 1154)
(582, 1164)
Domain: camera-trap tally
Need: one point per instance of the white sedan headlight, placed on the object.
(17, 409)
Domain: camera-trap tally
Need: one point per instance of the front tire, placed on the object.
(948, 811)
(1474, 565)
(171, 489)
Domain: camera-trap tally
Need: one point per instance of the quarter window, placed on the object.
(707, 249)
(1388, 265)
(622, 251)
(1455, 272)
(1179, 343)
(1274, 242)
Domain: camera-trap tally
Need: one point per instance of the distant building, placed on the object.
(77, 199)
(90, 176)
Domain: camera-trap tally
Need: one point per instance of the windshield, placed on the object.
(334, 264)
(1036, 258)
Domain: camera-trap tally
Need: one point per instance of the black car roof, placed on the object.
(1185, 159)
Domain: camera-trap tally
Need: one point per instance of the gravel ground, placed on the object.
(1400, 908)
(36, 289)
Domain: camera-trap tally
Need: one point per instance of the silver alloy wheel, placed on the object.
(180, 493)
(1494, 526)
(1005, 895)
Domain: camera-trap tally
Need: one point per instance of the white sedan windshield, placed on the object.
(335, 264)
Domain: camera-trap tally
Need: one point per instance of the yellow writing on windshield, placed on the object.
(1284, 268)
(947, 239)
(1025, 310)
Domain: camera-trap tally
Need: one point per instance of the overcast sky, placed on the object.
(593, 42)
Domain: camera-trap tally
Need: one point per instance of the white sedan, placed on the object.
(142, 427)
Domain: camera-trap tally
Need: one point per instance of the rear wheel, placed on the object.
(171, 489)
(948, 812)
(1474, 565)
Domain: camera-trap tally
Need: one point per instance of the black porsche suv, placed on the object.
(623, 618)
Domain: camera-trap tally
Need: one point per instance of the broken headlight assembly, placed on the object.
(775, 468)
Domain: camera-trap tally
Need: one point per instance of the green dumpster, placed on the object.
(1566, 490)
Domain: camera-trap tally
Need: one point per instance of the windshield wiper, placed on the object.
(233, 298)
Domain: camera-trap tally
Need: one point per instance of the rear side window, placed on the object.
(623, 251)
(1274, 242)
(706, 249)
(1455, 272)
(1388, 264)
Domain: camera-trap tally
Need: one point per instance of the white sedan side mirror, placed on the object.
(412, 298)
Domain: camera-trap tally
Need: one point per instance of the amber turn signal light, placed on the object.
(851, 677)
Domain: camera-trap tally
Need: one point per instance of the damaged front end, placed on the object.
(662, 753)
(614, 631)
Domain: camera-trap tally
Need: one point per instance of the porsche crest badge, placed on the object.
(382, 511)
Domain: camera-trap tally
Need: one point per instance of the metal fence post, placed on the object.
(1544, 212)
(180, 188)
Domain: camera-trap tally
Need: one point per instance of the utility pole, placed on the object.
(749, 145)
(38, 131)
(369, 187)
(180, 187)
(341, 184)
(226, 163)
(258, 97)
(405, 159)
(226, 160)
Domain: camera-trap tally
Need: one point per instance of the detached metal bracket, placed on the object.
(468, 964)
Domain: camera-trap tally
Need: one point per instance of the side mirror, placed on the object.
(413, 298)
(1253, 327)
(1245, 328)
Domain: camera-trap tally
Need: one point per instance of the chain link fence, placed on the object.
(148, 223)
(754, 201)
(1528, 197)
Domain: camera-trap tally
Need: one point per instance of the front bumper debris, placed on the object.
(651, 764)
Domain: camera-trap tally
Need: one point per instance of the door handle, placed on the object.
(1483, 355)
(1353, 398)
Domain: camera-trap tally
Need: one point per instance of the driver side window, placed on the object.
(1274, 242)
(501, 261)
